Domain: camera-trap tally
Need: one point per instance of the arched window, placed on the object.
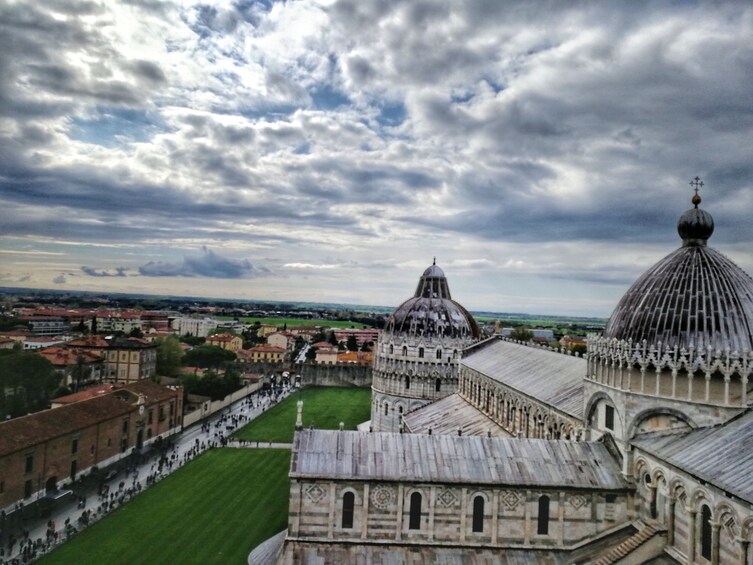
(392, 349)
(543, 523)
(386, 408)
(438, 384)
(421, 352)
(706, 532)
(349, 500)
(400, 409)
(478, 514)
(414, 522)
(407, 382)
(405, 351)
(439, 353)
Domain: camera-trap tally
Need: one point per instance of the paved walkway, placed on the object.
(42, 534)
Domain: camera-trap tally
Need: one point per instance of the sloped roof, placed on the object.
(340, 454)
(27, 431)
(720, 455)
(553, 378)
(448, 414)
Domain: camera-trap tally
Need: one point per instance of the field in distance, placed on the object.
(296, 322)
(214, 510)
(323, 407)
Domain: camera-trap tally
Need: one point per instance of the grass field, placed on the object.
(293, 322)
(323, 407)
(212, 511)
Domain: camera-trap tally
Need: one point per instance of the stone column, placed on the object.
(715, 526)
(691, 534)
(744, 551)
(365, 513)
(670, 521)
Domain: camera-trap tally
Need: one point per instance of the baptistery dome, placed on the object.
(693, 297)
(432, 312)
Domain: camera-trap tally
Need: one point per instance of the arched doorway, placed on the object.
(140, 439)
(51, 485)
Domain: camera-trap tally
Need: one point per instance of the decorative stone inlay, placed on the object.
(510, 499)
(447, 497)
(578, 501)
(383, 497)
(315, 493)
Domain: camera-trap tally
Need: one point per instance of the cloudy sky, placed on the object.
(327, 151)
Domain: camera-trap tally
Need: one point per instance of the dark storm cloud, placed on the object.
(119, 272)
(208, 264)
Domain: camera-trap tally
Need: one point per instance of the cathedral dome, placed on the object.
(695, 296)
(432, 312)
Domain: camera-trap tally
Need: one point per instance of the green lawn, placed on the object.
(216, 509)
(323, 407)
(294, 322)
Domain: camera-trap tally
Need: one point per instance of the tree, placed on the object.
(27, 381)
(208, 357)
(352, 343)
(78, 373)
(169, 355)
(521, 333)
(311, 353)
(332, 338)
(136, 332)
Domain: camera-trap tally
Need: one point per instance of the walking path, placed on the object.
(26, 538)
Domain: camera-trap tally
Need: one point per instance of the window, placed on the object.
(438, 385)
(407, 382)
(29, 467)
(609, 417)
(414, 522)
(421, 352)
(386, 408)
(74, 468)
(27, 489)
(439, 354)
(150, 416)
(2, 487)
(125, 426)
(543, 522)
(405, 351)
(478, 514)
(706, 532)
(349, 500)
(74, 446)
(392, 349)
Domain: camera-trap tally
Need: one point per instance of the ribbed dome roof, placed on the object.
(432, 312)
(694, 296)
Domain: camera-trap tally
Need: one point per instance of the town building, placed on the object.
(228, 342)
(285, 340)
(197, 327)
(267, 353)
(364, 336)
(76, 367)
(43, 451)
(127, 359)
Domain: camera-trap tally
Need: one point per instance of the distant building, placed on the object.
(326, 353)
(67, 361)
(229, 342)
(369, 335)
(197, 327)
(285, 340)
(130, 359)
(267, 353)
(355, 358)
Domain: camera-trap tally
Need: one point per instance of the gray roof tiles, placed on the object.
(347, 455)
(551, 377)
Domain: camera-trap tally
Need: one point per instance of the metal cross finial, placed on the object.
(435, 261)
(696, 183)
